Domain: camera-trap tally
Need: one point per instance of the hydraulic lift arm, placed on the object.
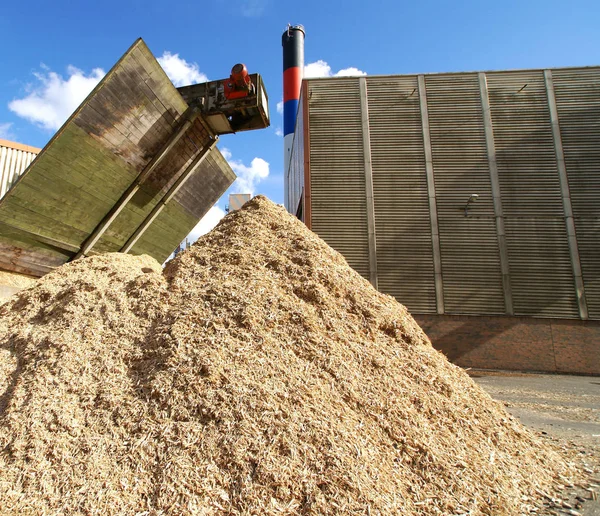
(239, 103)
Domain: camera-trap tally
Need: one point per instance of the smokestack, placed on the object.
(293, 70)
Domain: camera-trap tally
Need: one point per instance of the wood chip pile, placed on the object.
(12, 282)
(14, 279)
(258, 374)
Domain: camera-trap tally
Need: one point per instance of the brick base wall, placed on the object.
(516, 343)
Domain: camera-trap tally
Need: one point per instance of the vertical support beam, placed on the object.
(566, 197)
(186, 121)
(435, 233)
(183, 177)
(496, 194)
(366, 135)
(307, 196)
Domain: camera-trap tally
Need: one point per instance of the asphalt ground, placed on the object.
(564, 410)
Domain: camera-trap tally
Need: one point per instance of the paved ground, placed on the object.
(560, 408)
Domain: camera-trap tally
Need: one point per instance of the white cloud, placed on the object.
(317, 69)
(320, 68)
(206, 224)
(248, 176)
(5, 133)
(180, 71)
(352, 71)
(280, 107)
(53, 99)
(278, 131)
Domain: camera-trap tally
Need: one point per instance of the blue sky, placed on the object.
(51, 51)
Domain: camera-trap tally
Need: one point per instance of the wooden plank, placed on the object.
(137, 73)
(98, 115)
(161, 176)
(15, 214)
(173, 218)
(111, 216)
(29, 245)
(183, 176)
(92, 123)
(213, 178)
(155, 80)
(53, 212)
(61, 193)
(164, 176)
(117, 114)
(36, 271)
(92, 184)
(79, 150)
(47, 198)
(168, 231)
(120, 104)
(20, 253)
(129, 102)
(173, 225)
(121, 95)
(58, 244)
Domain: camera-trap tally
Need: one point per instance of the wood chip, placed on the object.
(258, 374)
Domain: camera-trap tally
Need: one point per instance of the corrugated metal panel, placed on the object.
(404, 247)
(577, 93)
(339, 214)
(469, 244)
(541, 273)
(540, 267)
(295, 181)
(13, 162)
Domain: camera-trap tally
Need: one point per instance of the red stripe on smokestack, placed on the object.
(292, 80)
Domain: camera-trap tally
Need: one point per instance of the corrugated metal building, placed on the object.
(473, 198)
(14, 159)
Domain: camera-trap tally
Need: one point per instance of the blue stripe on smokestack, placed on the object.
(290, 108)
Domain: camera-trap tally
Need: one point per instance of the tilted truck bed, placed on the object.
(133, 169)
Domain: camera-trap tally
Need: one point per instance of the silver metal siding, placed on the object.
(13, 162)
(577, 93)
(472, 275)
(524, 160)
(404, 246)
(294, 184)
(541, 273)
(338, 201)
